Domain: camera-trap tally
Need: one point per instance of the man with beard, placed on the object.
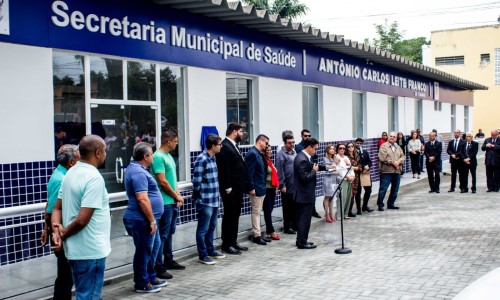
(233, 180)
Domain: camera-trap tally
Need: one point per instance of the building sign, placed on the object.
(142, 30)
(4, 17)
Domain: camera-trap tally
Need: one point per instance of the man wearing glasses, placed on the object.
(391, 158)
(256, 170)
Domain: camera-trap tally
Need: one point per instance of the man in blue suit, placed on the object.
(304, 171)
(256, 170)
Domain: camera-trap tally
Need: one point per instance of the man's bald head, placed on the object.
(89, 144)
(494, 133)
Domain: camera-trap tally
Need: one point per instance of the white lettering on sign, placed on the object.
(102, 24)
(340, 68)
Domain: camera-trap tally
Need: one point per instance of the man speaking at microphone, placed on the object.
(305, 197)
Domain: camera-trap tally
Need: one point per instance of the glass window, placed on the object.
(453, 115)
(418, 113)
(466, 119)
(141, 81)
(120, 124)
(438, 106)
(106, 77)
(121, 127)
(393, 114)
(310, 110)
(485, 58)
(449, 60)
(69, 98)
(172, 113)
(238, 99)
(358, 114)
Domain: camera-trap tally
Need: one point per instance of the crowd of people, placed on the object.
(78, 214)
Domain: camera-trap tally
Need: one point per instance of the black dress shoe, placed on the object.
(393, 207)
(240, 247)
(316, 215)
(351, 215)
(473, 191)
(231, 250)
(259, 241)
(367, 209)
(437, 191)
(451, 190)
(266, 239)
(489, 191)
(359, 213)
(306, 246)
(290, 231)
(308, 243)
(380, 209)
(432, 191)
(464, 191)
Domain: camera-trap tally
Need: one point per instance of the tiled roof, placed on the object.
(261, 20)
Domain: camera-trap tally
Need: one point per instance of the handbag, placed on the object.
(365, 179)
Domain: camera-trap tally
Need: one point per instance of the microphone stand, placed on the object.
(342, 250)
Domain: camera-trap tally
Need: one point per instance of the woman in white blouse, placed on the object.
(414, 147)
(343, 165)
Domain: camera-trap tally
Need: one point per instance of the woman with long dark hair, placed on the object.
(272, 184)
(401, 141)
(353, 156)
(414, 147)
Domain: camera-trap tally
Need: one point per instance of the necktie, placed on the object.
(456, 145)
(432, 143)
(494, 141)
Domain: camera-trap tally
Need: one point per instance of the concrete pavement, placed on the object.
(432, 248)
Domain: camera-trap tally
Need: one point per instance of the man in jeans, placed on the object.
(83, 208)
(206, 196)
(67, 157)
(163, 170)
(391, 157)
(145, 207)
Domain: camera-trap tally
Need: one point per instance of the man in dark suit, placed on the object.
(305, 182)
(233, 182)
(469, 153)
(257, 173)
(366, 164)
(492, 161)
(454, 150)
(432, 154)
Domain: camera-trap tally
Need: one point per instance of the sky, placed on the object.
(355, 19)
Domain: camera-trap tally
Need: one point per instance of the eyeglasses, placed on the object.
(291, 143)
(306, 136)
(350, 146)
(341, 148)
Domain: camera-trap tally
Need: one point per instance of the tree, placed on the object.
(290, 9)
(391, 39)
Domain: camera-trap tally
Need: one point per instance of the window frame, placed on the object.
(251, 126)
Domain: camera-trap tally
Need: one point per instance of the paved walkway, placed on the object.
(432, 248)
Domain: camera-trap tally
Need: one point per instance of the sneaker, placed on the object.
(164, 275)
(159, 283)
(148, 289)
(173, 265)
(216, 255)
(207, 261)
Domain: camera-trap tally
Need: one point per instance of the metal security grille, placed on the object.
(485, 58)
(449, 60)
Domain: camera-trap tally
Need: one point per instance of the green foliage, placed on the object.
(290, 9)
(390, 38)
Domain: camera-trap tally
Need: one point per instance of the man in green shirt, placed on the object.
(67, 156)
(163, 170)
